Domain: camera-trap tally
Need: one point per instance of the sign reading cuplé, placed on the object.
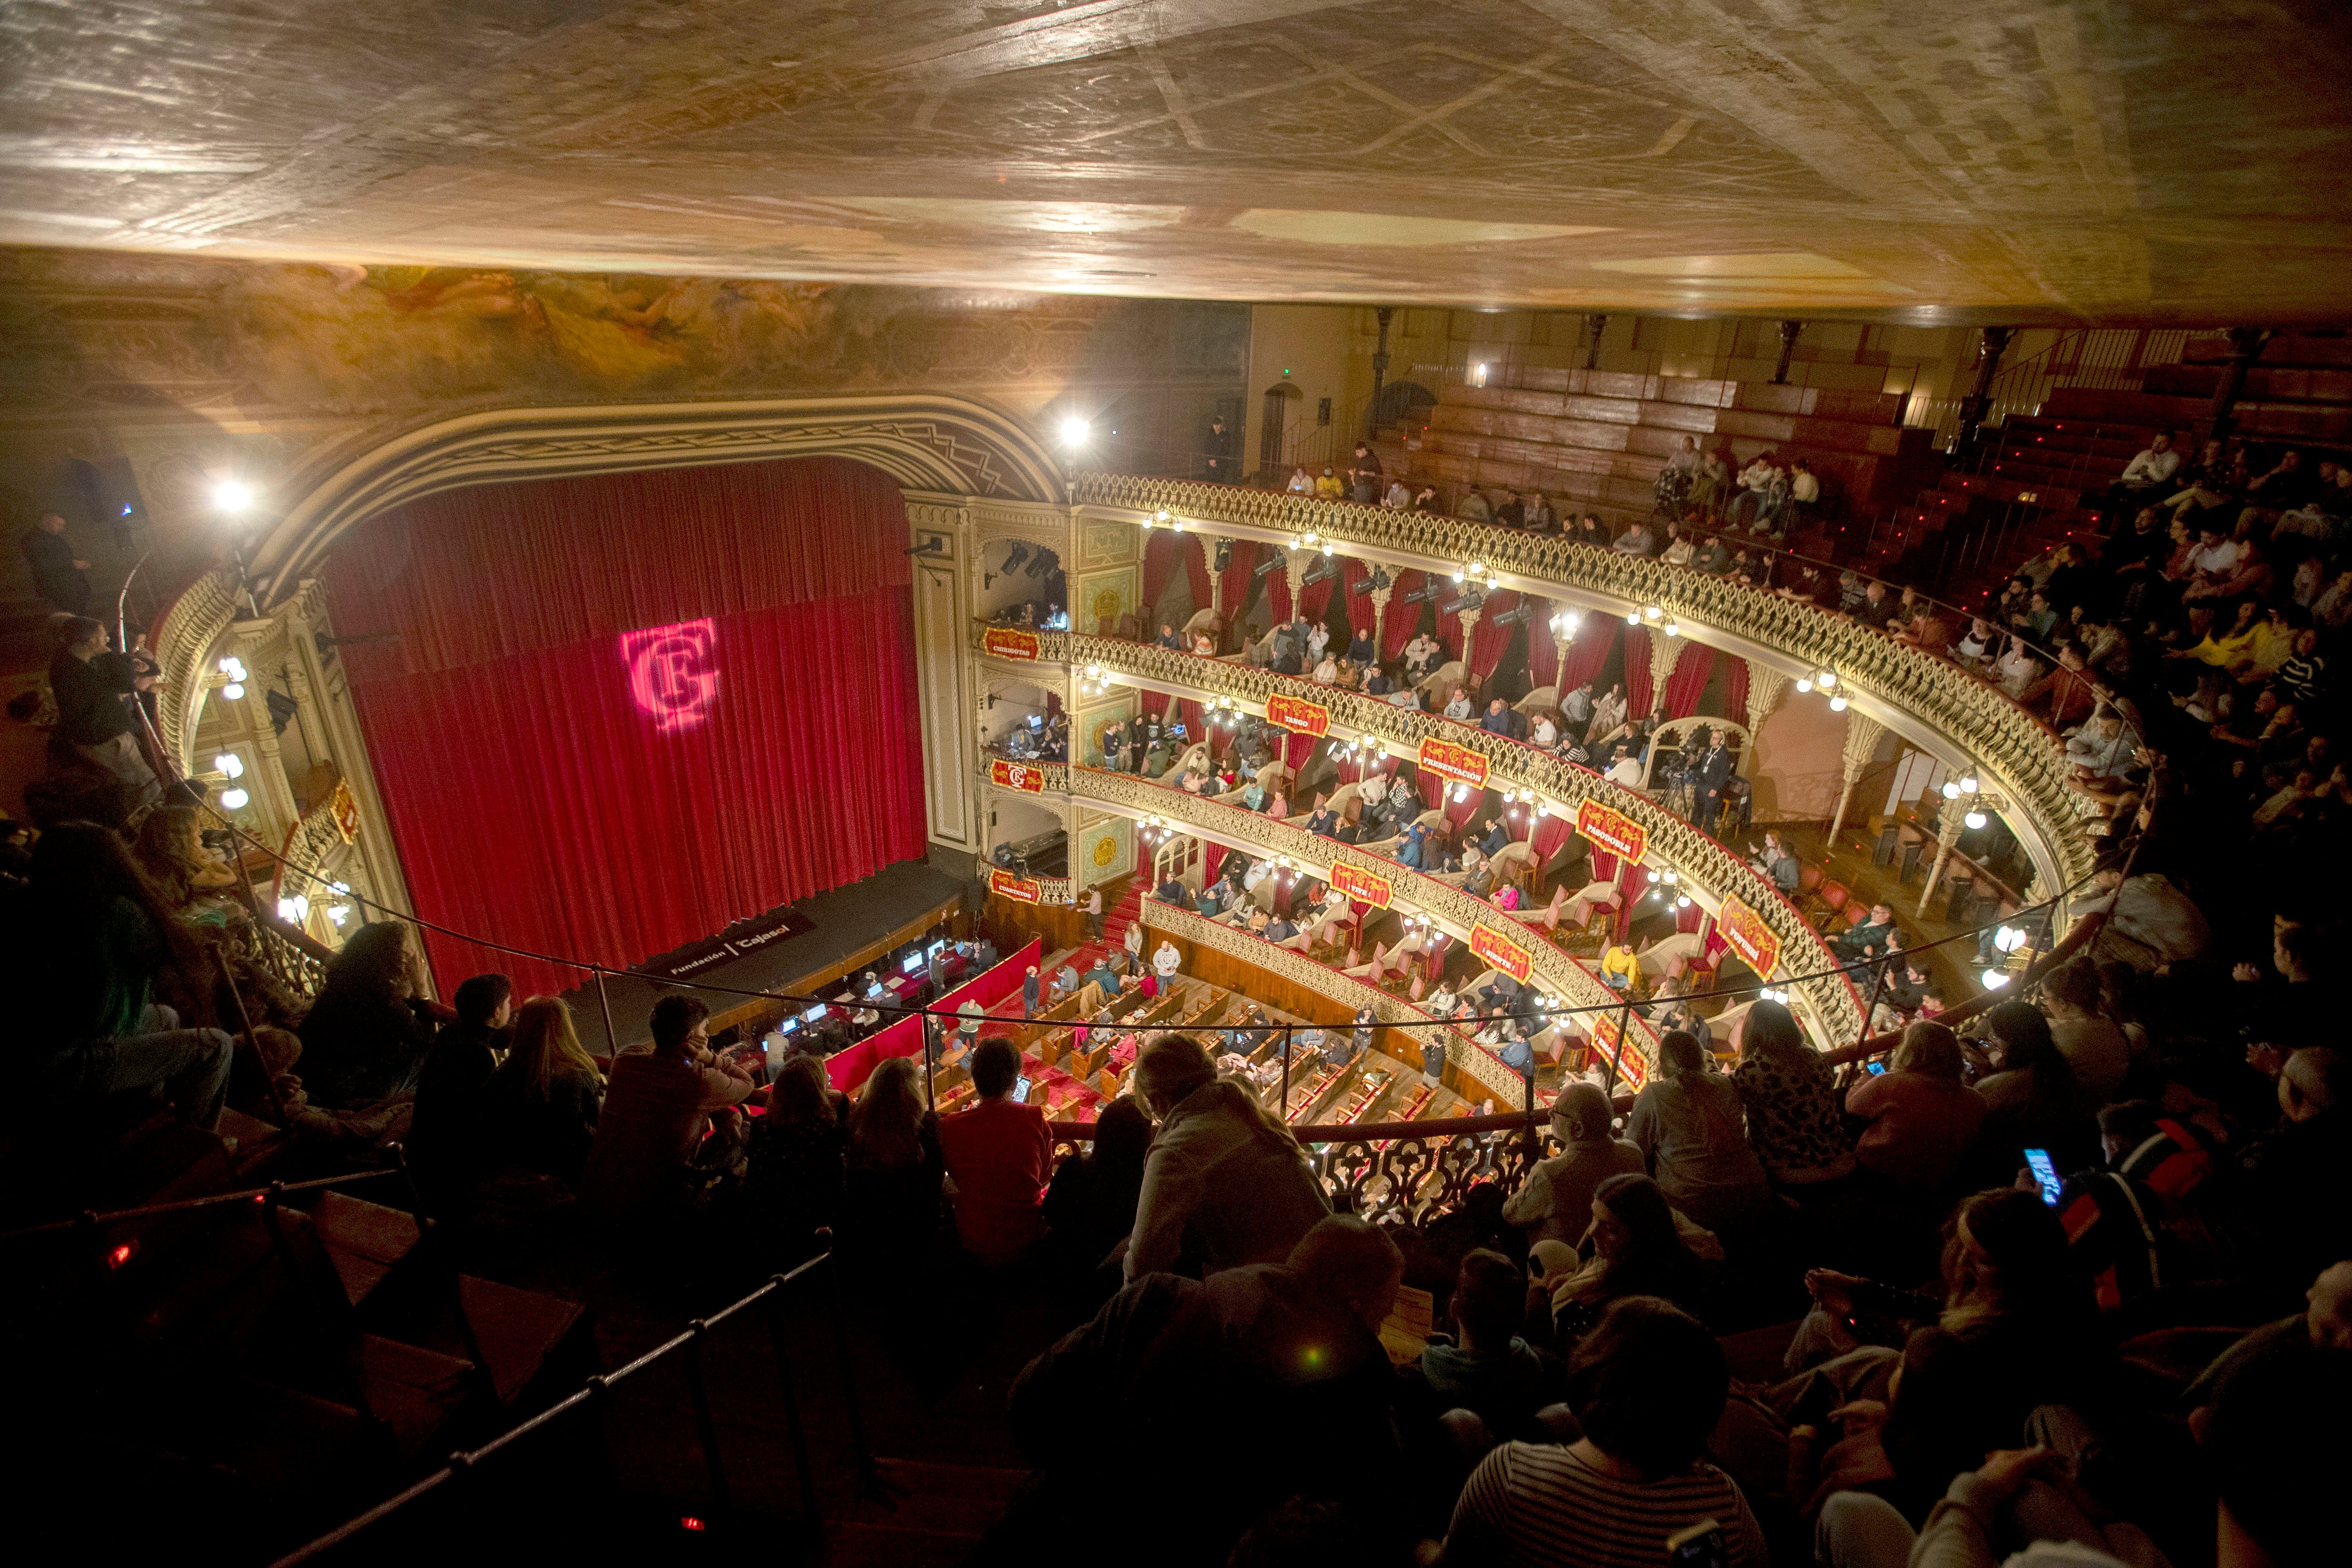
(1020, 889)
(1364, 886)
(1501, 952)
(1299, 715)
(1749, 937)
(1457, 764)
(1629, 1070)
(1009, 642)
(1613, 831)
(1015, 775)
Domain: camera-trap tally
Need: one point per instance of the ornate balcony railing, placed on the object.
(1459, 913)
(1470, 1059)
(181, 640)
(2024, 760)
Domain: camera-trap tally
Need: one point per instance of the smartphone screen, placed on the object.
(1877, 1068)
(2038, 1161)
(1700, 1546)
(1021, 1092)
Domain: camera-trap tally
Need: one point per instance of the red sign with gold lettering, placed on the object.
(1020, 889)
(1299, 715)
(1015, 775)
(345, 810)
(1009, 642)
(1457, 764)
(1364, 886)
(1611, 830)
(1602, 1027)
(1501, 952)
(1749, 937)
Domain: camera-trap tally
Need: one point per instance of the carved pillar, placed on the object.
(1596, 325)
(1949, 824)
(950, 688)
(1765, 687)
(1973, 408)
(1470, 630)
(1380, 374)
(2245, 347)
(1788, 331)
(1862, 738)
(1666, 652)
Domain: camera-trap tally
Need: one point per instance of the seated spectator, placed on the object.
(2032, 1098)
(1923, 1118)
(1556, 1203)
(1647, 1385)
(1090, 1204)
(1487, 1380)
(2297, 1187)
(1636, 540)
(891, 1198)
(794, 1162)
(1000, 1156)
(1226, 1184)
(1638, 1250)
(1792, 1107)
(2093, 1045)
(94, 939)
(1867, 939)
(1473, 507)
(669, 1126)
(445, 1137)
(1687, 1123)
(540, 1109)
(365, 1038)
(1327, 486)
(1301, 482)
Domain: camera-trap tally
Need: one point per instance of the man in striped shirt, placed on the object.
(1647, 1384)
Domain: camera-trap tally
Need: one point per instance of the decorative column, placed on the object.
(1470, 615)
(1666, 652)
(1380, 374)
(1977, 403)
(2245, 347)
(1862, 738)
(1788, 331)
(1950, 821)
(1765, 687)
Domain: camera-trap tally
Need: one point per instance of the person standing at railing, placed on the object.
(1218, 454)
(89, 682)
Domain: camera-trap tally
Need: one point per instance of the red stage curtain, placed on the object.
(1543, 653)
(1488, 640)
(1397, 626)
(1234, 582)
(1735, 688)
(1688, 682)
(1587, 651)
(617, 713)
(1158, 562)
(1638, 694)
(1196, 569)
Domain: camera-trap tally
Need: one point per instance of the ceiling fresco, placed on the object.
(1922, 161)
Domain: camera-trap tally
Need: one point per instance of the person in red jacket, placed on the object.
(1000, 1156)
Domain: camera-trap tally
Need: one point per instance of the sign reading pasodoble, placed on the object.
(1364, 886)
(1749, 937)
(1021, 889)
(1613, 831)
(1015, 775)
(1299, 715)
(1009, 642)
(1457, 764)
(1501, 952)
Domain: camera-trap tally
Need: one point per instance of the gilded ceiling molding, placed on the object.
(942, 445)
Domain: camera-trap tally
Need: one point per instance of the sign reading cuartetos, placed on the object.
(1009, 642)
(1749, 937)
(1501, 952)
(1299, 715)
(1021, 889)
(1611, 830)
(1364, 886)
(1016, 775)
(1457, 764)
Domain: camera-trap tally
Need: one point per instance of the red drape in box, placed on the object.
(1397, 624)
(1196, 569)
(1358, 606)
(1296, 750)
(1158, 563)
(1315, 597)
(1151, 703)
(1278, 593)
(1735, 688)
(1543, 653)
(1639, 697)
(1688, 682)
(1449, 623)
(1488, 640)
(1234, 582)
(1588, 650)
(614, 714)
(1188, 713)
(992, 988)
(1551, 832)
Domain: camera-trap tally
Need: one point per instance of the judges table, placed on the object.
(850, 1068)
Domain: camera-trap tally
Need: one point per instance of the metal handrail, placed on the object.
(92, 1218)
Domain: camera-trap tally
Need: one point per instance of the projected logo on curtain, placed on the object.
(671, 675)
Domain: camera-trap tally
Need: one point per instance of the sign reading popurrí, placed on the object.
(1009, 642)
(1021, 889)
(1749, 937)
(1015, 775)
(1299, 715)
(1457, 764)
(1501, 952)
(1364, 886)
(1613, 831)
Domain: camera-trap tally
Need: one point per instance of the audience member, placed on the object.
(794, 1161)
(446, 1136)
(669, 1127)
(365, 1037)
(540, 1108)
(999, 1155)
(1556, 1203)
(1687, 1123)
(1922, 1117)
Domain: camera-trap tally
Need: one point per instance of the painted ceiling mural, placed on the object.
(1934, 161)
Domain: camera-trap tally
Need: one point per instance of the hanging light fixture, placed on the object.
(234, 799)
(1804, 684)
(1632, 617)
(1994, 979)
(1974, 819)
(1837, 704)
(1968, 785)
(1674, 628)
(1652, 612)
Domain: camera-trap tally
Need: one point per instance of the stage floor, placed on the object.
(845, 920)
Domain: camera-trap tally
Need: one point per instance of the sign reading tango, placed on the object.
(1455, 764)
(1009, 642)
(1629, 1070)
(1364, 886)
(1501, 952)
(1020, 889)
(1745, 930)
(1299, 715)
(1613, 831)
(1016, 775)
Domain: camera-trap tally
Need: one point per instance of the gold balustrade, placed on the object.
(1706, 865)
(2018, 755)
(183, 640)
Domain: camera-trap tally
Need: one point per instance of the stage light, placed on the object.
(230, 496)
(1075, 431)
(234, 799)
(229, 765)
(1974, 819)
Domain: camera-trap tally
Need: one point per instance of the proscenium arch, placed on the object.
(929, 444)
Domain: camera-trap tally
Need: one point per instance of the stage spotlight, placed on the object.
(1013, 558)
(1042, 561)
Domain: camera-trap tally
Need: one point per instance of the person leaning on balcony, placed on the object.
(1556, 1203)
(1474, 506)
(1327, 486)
(1399, 496)
(1458, 704)
(1636, 540)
